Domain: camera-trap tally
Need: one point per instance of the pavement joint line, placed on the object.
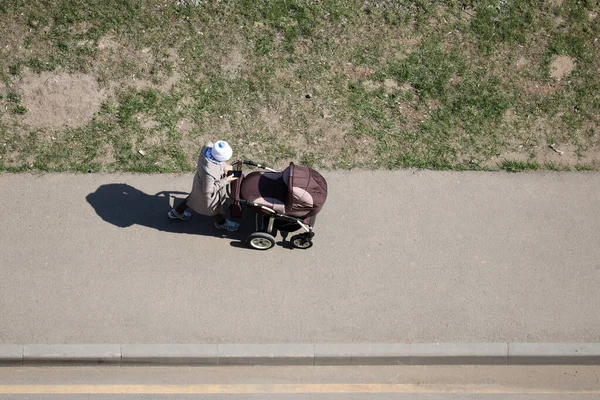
(497, 353)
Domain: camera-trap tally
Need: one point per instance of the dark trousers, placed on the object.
(182, 206)
(180, 209)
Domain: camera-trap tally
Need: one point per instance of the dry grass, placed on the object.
(331, 83)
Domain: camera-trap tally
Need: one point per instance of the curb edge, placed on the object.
(303, 354)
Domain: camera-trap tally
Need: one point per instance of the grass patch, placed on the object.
(586, 167)
(519, 166)
(450, 84)
(554, 166)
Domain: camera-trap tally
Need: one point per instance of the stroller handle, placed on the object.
(255, 164)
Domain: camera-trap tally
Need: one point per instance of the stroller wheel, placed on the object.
(301, 242)
(261, 241)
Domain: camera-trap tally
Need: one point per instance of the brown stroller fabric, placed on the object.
(299, 191)
(265, 188)
(307, 191)
(235, 207)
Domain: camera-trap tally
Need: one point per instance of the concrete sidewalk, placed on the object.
(398, 257)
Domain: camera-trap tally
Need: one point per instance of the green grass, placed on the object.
(451, 84)
(586, 167)
(554, 166)
(519, 166)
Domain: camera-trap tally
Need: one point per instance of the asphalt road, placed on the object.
(398, 257)
(293, 383)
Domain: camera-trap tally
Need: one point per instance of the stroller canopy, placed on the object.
(307, 190)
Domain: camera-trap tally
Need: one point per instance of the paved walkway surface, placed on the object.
(306, 383)
(398, 257)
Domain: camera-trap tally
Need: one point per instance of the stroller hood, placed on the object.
(307, 190)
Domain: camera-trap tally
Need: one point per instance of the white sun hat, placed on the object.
(221, 151)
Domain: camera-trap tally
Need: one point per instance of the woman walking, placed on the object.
(208, 194)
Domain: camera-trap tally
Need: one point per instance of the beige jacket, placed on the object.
(209, 189)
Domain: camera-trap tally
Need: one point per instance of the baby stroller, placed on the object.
(284, 202)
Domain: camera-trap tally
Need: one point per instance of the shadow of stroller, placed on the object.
(123, 205)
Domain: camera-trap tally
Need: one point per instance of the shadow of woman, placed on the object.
(123, 205)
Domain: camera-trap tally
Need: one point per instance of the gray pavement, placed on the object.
(371, 382)
(398, 257)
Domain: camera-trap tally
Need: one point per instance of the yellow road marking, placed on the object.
(280, 389)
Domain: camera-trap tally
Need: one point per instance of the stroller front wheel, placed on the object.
(301, 242)
(261, 241)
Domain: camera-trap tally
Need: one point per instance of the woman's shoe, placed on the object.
(173, 214)
(229, 225)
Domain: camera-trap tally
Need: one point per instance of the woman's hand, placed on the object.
(228, 168)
